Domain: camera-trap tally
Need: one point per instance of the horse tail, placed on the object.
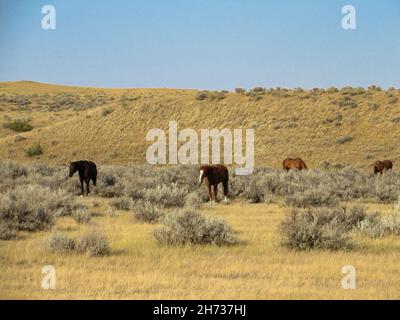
(225, 184)
(94, 178)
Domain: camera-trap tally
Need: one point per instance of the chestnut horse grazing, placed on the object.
(212, 176)
(87, 171)
(297, 163)
(380, 166)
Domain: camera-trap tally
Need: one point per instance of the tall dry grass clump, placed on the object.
(190, 227)
(321, 228)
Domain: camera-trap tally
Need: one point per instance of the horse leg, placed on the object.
(216, 193)
(226, 190)
(87, 185)
(81, 180)
(210, 192)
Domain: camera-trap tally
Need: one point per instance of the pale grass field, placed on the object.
(138, 268)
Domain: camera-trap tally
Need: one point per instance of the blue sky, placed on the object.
(207, 44)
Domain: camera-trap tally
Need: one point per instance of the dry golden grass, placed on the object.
(138, 268)
(299, 124)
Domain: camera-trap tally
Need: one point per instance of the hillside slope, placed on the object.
(109, 125)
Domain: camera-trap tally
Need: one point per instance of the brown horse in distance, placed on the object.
(381, 166)
(212, 176)
(87, 171)
(290, 163)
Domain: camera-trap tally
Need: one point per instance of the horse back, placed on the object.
(87, 169)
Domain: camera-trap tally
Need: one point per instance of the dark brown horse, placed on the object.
(297, 163)
(381, 166)
(212, 176)
(87, 171)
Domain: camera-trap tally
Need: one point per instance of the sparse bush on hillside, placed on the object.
(19, 138)
(344, 139)
(189, 227)
(393, 100)
(332, 90)
(258, 90)
(346, 102)
(34, 150)
(212, 95)
(374, 88)
(240, 90)
(256, 93)
(106, 111)
(202, 95)
(217, 95)
(19, 125)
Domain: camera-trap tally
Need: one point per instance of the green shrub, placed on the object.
(19, 125)
(258, 90)
(31, 207)
(6, 231)
(202, 95)
(344, 139)
(372, 226)
(121, 203)
(167, 196)
(94, 243)
(315, 197)
(314, 229)
(189, 227)
(144, 211)
(60, 243)
(385, 190)
(34, 150)
(240, 90)
(217, 95)
(196, 198)
(106, 111)
(82, 215)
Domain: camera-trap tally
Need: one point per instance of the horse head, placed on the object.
(203, 173)
(72, 169)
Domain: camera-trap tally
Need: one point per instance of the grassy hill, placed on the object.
(109, 126)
